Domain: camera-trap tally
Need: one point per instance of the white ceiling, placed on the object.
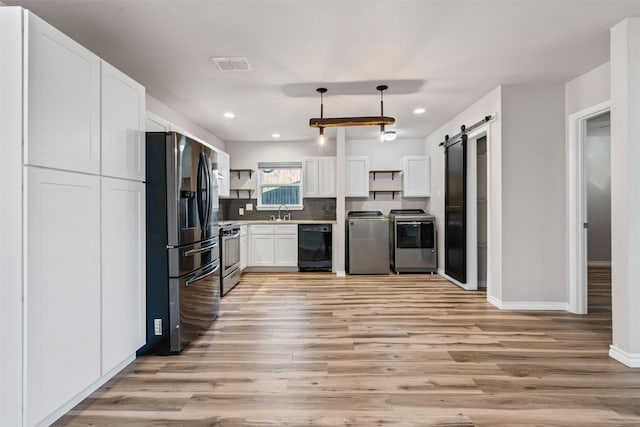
(452, 51)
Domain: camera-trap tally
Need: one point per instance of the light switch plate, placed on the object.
(249, 206)
(240, 211)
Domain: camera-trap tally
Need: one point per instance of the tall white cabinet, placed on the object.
(72, 174)
(123, 116)
(123, 270)
(62, 288)
(63, 100)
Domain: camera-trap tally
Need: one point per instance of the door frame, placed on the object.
(472, 207)
(577, 205)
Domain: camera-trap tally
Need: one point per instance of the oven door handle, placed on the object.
(202, 249)
(231, 236)
(410, 223)
(202, 276)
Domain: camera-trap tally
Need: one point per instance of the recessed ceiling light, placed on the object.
(275, 135)
(229, 115)
(419, 110)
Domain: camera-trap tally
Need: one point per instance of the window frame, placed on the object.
(260, 185)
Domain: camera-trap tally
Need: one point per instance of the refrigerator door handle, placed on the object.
(201, 276)
(207, 174)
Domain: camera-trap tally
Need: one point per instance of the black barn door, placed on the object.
(455, 232)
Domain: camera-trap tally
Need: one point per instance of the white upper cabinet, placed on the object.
(63, 100)
(319, 176)
(223, 174)
(416, 176)
(310, 176)
(123, 270)
(327, 176)
(357, 176)
(123, 125)
(62, 288)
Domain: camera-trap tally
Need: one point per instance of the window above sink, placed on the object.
(279, 186)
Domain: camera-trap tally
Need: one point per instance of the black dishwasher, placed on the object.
(314, 247)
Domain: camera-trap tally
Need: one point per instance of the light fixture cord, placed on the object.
(381, 111)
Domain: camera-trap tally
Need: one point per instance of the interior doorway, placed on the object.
(597, 163)
(481, 209)
(589, 204)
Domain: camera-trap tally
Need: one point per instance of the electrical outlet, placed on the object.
(240, 211)
(157, 326)
(249, 206)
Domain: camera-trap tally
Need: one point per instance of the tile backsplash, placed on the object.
(314, 209)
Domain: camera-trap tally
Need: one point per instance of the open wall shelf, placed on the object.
(393, 193)
(239, 191)
(392, 172)
(239, 171)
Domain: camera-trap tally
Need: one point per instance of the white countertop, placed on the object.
(293, 221)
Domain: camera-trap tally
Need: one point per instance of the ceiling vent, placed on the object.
(232, 63)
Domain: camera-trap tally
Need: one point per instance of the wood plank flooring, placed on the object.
(410, 350)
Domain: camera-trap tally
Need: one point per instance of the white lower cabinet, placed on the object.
(273, 245)
(261, 253)
(123, 270)
(244, 247)
(62, 288)
(286, 250)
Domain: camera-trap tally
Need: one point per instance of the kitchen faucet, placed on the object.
(287, 209)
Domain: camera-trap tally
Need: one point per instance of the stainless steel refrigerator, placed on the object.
(183, 278)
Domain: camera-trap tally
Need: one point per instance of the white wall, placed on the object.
(591, 88)
(176, 118)
(625, 197)
(533, 194)
(598, 174)
(489, 104)
(246, 155)
(385, 156)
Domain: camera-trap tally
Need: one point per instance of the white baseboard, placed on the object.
(631, 360)
(528, 305)
(270, 269)
(341, 274)
(599, 264)
(86, 392)
(494, 301)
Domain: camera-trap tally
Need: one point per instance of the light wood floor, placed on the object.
(410, 350)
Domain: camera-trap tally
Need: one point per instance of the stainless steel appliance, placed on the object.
(367, 242)
(229, 256)
(314, 247)
(413, 243)
(183, 279)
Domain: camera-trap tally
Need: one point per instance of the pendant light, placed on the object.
(321, 91)
(382, 88)
(323, 122)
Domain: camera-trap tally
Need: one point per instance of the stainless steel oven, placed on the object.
(229, 256)
(413, 242)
